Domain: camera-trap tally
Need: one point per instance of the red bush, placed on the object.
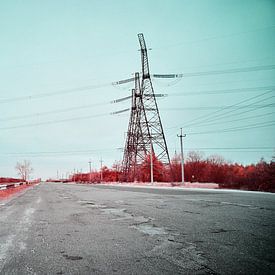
(8, 180)
(213, 169)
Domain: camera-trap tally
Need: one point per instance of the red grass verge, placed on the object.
(4, 194)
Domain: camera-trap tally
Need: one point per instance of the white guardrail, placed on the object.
(10, 185)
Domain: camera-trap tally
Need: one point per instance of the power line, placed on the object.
(72, 109)
(54, 111)
(234, 120)
(243, 128)
(214, 121)
(217, 107)
(92, 87)
(234, 148)
(118, 112)
(226, 91)
(163, 47)
(202, 73)
(54, 121)
(235, 151)
(223, 122)
(232, 112)
(56, 93)
(50, 153)
(215, 72)
(215, 37)
(229, 114)
(88, 151)
(214, 114)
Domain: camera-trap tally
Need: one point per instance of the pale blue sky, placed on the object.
(51, 46)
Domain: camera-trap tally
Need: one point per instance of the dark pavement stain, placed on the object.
(221, 230)
(209, 270)
(198, 241)
(84, 202)
(89, 203)
(73, 258)
(190, 212)
(162, 206)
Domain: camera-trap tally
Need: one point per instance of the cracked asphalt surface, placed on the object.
(87, 229)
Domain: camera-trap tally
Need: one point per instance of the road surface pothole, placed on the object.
(119, 201)
(150, 229)
(221, 230)
(184, 255)
(91, 204)
(120, 214)
(73, 258)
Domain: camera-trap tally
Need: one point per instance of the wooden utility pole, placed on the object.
(181, 136)
(101, 175)
(151, 164)
(90, 167)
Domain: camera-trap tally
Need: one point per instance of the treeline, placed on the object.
(212, 169)
(8, 180)
(256, 177)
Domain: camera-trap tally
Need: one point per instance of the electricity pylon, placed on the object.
(145, 134)
(134, 150)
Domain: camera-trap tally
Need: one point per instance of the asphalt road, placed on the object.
(84, 229)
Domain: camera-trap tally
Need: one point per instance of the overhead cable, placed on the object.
(214, 72)
(236, 129)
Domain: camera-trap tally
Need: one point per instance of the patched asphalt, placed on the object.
(86, 229)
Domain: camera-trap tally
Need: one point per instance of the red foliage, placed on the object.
(4, 194)
(104, 175)
(144, 172)
(213, 169)
(8, 180)
(260, 177)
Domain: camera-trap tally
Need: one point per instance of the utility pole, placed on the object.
(101, 175)
(181, 136)
(90, 167)
(151, 164)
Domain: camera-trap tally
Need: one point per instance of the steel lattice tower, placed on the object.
(145, 131)
(134, 150)
(150, 121)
